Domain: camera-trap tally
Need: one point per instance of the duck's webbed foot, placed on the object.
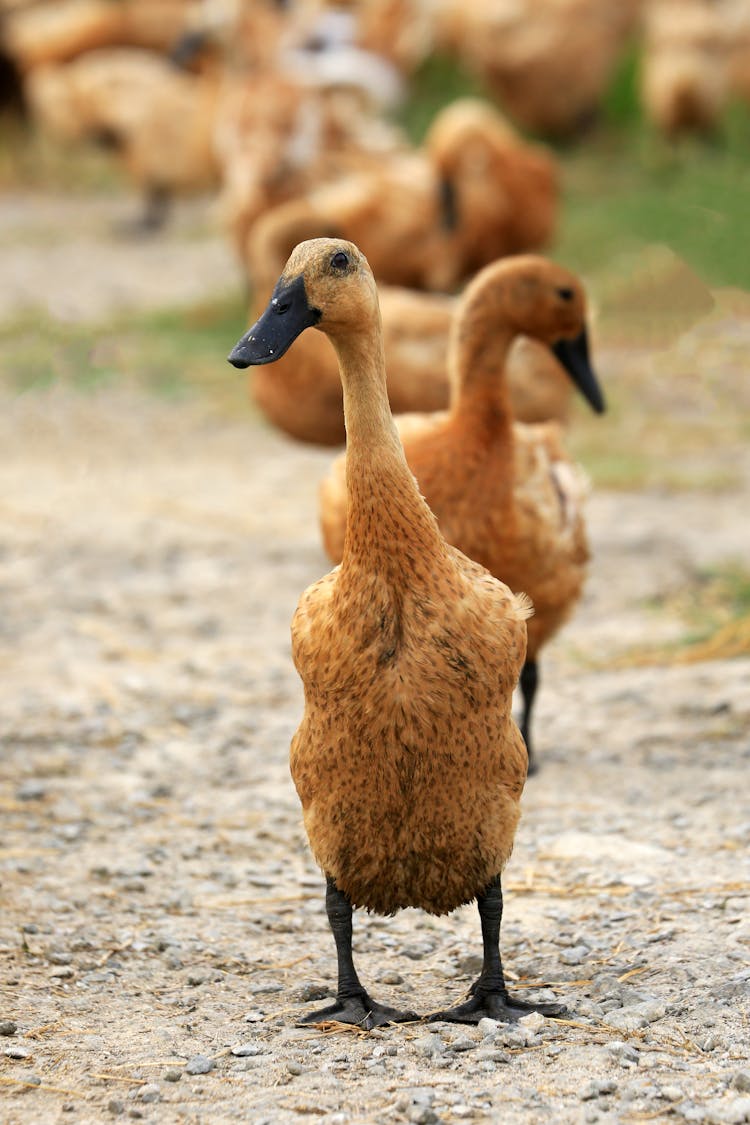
(353, 1004)
(488, 995)
(361, 1010)
(496, 1005)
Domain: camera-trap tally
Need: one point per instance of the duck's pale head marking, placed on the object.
(327, 283)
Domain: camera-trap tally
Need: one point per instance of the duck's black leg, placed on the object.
(488, 994)
(153, 215)
(528, 682)
(353, 1004)
(156, 206)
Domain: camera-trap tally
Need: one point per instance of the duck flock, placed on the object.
(456, 528)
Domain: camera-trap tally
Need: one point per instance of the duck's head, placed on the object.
(466, 144)
(541, 299)
(327, 284)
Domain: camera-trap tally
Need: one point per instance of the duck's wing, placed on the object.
(547, 481)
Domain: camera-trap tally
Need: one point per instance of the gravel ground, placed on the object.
(162, 923)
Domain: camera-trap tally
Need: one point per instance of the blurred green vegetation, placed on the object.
(715, 607)
(31, 160)
(716, 596)
(172, 352)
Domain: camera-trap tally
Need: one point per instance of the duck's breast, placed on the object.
(407, 763)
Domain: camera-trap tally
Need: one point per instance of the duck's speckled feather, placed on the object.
(407, 727)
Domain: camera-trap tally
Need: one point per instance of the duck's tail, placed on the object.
(524, 606)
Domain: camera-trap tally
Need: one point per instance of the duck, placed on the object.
(408, 764)
(157, 116)
(57, 31)
(427, 218)
(504, 492)
(276, 137)
(529, 55)
(685, 78)
(301, 394)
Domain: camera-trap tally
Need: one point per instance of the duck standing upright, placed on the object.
(504, 493)
(407, 762)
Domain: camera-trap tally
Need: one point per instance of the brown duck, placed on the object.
(504, 493)
(407, 761)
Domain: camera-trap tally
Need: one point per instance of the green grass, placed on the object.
(717, 595)
(31, 159)
(439, 81)
(171, 353)
(715, 607)
(626, 191)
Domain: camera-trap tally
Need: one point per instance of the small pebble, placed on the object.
(200, 1064)
(149, 1093)
(597, 1089)
(463, 1044)
(575, 955)
(59, 957)
(295, 1067)
(115, 1106)
(31, 790)
(418, 1095)
(488, 1026)
(314, 992)
(534, 1022)
(172, 1075)
(671, 1093)
(741, 1081)
(8, 1027)
(422, 1115)
(429, 1045)
(493, 1055)
(246, 1049)
(17, 1053)
(637, 1016)
(621, 1050)
(260, 988)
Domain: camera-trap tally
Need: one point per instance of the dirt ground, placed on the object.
(161, 920)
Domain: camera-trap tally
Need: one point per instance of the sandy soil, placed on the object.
(162, 922)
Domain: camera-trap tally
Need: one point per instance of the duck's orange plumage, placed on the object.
(505, 493)
(407, 761)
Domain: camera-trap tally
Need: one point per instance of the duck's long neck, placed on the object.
(387, 518)
(479, 384)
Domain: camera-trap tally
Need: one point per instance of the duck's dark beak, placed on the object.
(574, 356)
(288, 314)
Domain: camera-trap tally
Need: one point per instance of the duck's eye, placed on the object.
(340, 260)
(565, 293)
